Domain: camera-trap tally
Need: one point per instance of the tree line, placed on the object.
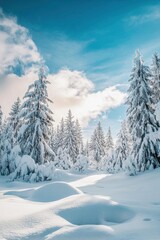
(29, 130)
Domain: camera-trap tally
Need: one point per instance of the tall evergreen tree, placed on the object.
(62, 133)
(1, 127)
(97, 143)
(70, 138)
(123, 147)
(155, 80)
(142, 122)
(109, 141)
(1, 116)
(14, 118)
(79, 137)
(37, 117)
(9, 140)
(107, 161)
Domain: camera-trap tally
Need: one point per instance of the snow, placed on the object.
(47, 193)
(79, 233)
(82, 207)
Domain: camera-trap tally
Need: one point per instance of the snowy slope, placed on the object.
(91, 207)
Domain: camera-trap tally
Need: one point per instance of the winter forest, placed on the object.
(32, 146)
(79, 120)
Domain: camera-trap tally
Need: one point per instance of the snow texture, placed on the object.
(33, 211)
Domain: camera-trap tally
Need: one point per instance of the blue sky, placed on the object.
(97, 37)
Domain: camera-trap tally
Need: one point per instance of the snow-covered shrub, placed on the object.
(107, 162)
(81, 164)
(14, 157)
(29, 171)
(43, 172)
(62, 159)
(25, 168)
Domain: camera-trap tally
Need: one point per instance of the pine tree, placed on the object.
(155, 80)
(142, 122)
(61, 133)
(70, 137)
(14, 118)
(9, 140)
(123, 147)
(37, 117)
(109, 141)
(86, 149)
(62, 159)
(1, 116)
(107, 162)
(97, 143)
(79, 137)
(1, 127)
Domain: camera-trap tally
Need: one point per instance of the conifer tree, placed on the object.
(70, 138)
(37, 117)
(109, 141)
(79, 137)
(122, 149)
(142, 122)
(155, 80)
(107, 162)
(97, 144)
(14, 118)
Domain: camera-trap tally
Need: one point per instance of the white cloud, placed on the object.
(72, 90)
(152, 13)
(16, 44)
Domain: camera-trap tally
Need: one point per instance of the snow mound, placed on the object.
(82, 233)
(47, 193)
(95, 210)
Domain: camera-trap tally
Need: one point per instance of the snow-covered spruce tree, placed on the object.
(7, 143)
(70, 139)
(109, 141)
(62, 159)
(1, 126)
(37, 117)
(107, 162)
(9, 150)
(1, 116)
(59, 136)
(122, 148)
(142, 122)
(52, 135)
(79, 137)
(97, 143)
(86, 149)
(14, 118)
(82, 163)
(155, 79)
(56, 143)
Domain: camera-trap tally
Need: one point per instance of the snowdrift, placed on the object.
(82, 233)
(96, 210)
(47, 193)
